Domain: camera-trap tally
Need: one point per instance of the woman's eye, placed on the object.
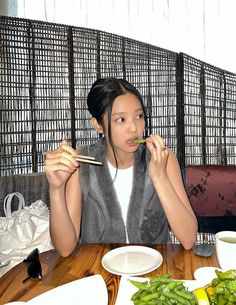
(140, 116)
(120, 120)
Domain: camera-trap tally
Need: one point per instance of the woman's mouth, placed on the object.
(132, 141)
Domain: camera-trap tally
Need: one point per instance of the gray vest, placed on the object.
(102, 220)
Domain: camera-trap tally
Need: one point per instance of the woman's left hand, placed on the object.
(159, 156)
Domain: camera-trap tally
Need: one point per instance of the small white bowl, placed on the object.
(205, 275)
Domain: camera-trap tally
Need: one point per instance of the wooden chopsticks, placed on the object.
(87, 159)
(83, 159)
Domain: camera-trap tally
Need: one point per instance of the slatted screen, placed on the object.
(209, 114)
(46, 71)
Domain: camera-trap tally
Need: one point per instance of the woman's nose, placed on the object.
(133, 126)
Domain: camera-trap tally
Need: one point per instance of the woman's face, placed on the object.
(127, 123)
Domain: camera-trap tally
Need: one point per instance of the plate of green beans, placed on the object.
(157, 290)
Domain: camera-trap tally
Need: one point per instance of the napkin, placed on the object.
(90, 290)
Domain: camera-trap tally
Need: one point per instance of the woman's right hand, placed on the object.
(60, 164)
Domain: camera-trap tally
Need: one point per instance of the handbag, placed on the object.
(22, 231)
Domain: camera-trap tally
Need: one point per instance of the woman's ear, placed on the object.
(97, 126)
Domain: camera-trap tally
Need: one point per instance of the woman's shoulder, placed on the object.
(171, 155)
(83, 149)
(172, 163)
(94, 149)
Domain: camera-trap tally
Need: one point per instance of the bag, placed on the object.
(22, 231)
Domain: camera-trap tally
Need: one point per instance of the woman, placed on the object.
(136, 196)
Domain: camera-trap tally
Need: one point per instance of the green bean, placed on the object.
(173, 284)
(137, 295)
(162, 298)
(165, 278)
(139, 141)
(154, 287)
(149, 296)
(184, 294)
(144, 292)
(146, 303)
(180, 300)
(140, 285)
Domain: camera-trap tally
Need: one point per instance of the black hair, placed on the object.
(102, 96)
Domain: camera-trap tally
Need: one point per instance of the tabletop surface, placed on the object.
(86, 261)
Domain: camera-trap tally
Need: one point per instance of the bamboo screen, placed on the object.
(209, 113)
(46, 71)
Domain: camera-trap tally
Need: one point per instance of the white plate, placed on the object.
(15, 303)
(205, 274)
(127, 289)
(82, 291)
(132, 260)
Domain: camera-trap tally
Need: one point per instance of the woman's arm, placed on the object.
(166, 176)
(65, 198)
(65, 215)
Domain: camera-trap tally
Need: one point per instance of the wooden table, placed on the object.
(85, 261)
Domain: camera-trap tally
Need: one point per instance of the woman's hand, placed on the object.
(60, 164)
(159, 157)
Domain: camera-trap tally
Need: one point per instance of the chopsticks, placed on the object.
(83, 159)
(87, 159)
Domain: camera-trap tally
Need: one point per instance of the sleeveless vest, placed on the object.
(102, 220)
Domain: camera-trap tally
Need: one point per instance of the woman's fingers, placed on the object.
(65, 147)
(62, 156)
(58, 167)
(156, 145)
(159, 156)
(64, 142)
(158, 141)
(61, 159)
(152, 149)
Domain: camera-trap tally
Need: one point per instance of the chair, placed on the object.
(32, 186)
